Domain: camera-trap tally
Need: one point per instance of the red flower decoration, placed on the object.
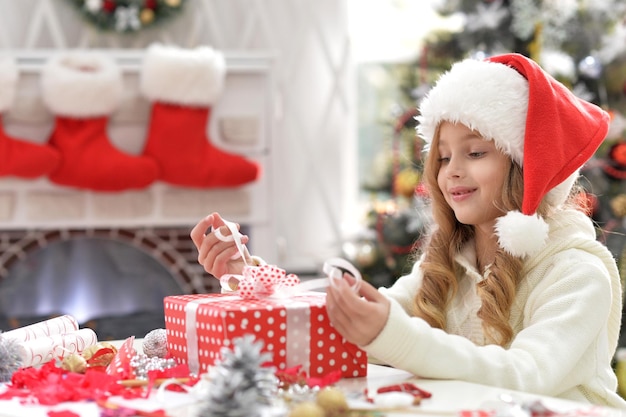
(63, 413)
(51, 385)
(297, 376)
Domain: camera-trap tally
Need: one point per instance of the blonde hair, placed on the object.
(497, 291)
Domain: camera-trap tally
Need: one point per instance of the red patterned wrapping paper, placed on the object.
(57, 346)
(295, 330)
(51, 339)
(57, 325)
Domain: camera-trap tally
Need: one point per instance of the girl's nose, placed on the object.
(454, 168)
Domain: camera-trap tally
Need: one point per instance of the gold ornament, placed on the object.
(620, 370)
(91, 350)
(104, 358)
(618, 205)
(172, 3)
(146, 16)
(406, 181)
(366, 254)
(333, 401)
(74, 363)
(307, 409)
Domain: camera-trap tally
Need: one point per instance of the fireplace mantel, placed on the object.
(241, 122)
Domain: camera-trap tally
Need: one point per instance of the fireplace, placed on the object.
(112, 280)
(109, 258)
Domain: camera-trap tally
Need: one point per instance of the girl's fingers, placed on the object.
(358, 317)
(339, 319)
(198, 232)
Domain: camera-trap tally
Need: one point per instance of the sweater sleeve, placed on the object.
(565, 316)
(404, 289)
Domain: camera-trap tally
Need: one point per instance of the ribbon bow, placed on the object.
(271, 281)
(259, 281)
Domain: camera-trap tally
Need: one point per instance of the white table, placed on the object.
(448, 398)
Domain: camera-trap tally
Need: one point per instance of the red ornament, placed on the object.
(109, 6)
(150, 4)
(618, 153)
(421, 190)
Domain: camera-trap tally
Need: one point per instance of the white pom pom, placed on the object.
(521, 235)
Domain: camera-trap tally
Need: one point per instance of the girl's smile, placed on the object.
(460, 193)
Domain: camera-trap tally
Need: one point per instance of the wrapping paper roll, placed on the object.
(44, 349)
(55, 326)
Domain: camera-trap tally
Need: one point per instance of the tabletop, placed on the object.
(448, 398)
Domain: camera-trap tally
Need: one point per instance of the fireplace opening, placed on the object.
(113, 282)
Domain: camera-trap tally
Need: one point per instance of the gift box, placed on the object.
(295, 330)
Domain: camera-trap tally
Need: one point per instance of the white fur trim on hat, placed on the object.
(488, 97)
(192, 77)
(521, 235)
(81, 84)
(9, 75)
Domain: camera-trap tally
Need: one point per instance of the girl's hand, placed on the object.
(214, 254)
(358, 317)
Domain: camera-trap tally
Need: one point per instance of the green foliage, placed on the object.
(127, 16)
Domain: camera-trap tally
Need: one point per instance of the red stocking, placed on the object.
(25, 159)
(82, 90)
(183, 85)
(19, 157)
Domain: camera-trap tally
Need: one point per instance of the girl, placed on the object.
(512, 289)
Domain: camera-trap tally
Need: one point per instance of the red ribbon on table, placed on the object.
(259, 281)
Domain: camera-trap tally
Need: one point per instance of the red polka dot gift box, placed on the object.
(295, 330)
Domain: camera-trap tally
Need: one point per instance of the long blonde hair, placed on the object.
(497, 291)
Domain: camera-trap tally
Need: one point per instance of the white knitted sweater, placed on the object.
(566, 320)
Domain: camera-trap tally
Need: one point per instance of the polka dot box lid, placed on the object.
(295, 330)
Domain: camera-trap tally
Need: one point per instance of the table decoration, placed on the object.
(41, 342)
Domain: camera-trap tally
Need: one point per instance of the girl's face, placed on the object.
(471, 175)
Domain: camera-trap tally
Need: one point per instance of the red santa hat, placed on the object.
(531, 117)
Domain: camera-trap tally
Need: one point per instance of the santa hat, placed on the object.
(532, 118)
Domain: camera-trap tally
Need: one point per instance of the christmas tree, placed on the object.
(582, 43)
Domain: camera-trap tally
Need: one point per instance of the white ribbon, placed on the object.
(234, 235)
(191, 310)
(298, 334)
(334, 268)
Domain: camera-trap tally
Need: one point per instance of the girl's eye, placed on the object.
(476, 154)
(444, 159)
